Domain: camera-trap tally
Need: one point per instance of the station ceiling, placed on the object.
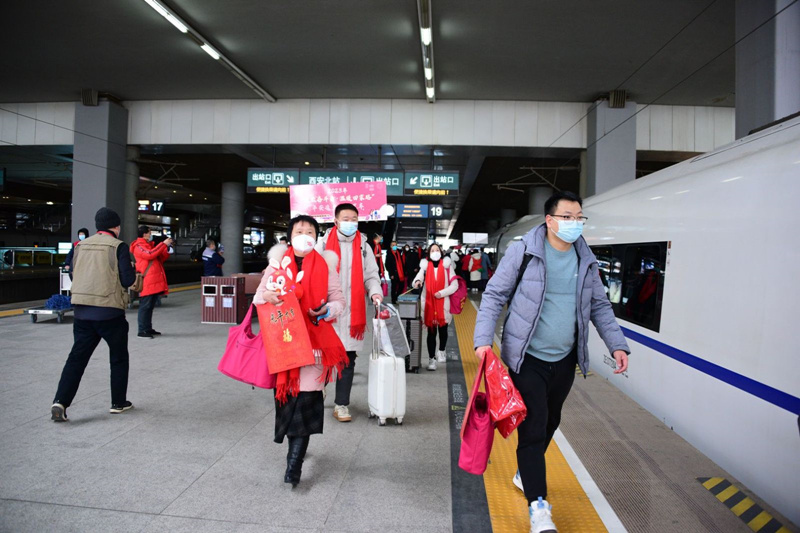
(572, 50)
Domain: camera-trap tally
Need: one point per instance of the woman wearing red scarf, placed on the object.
(302, 413)
(438, 277)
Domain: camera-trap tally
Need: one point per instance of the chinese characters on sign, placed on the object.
(431, 182)
(271, 180)
(393, 180)
(320, 200)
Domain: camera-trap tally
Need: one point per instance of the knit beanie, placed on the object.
(106, 218)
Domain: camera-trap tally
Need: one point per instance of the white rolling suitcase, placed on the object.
(387, 382)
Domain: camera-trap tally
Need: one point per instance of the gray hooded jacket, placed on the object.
(526, 305)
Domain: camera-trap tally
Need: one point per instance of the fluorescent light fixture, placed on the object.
(210, 51)
(49, 203)
(428, 73)
(167, 14)
(425, 33)
(429, 92)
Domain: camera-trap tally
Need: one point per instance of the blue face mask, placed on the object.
(394, 248)
(81, 237)
(569, 230)
(348, 228)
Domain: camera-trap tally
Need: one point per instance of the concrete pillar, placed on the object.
(584, 175)
(98, 172)
(767, 63)
(537, 196)
(492, 225)
(232, 225)
(611, 155)
(507, 216)
(130, 218)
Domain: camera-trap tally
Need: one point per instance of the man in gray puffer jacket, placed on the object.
(546, 332)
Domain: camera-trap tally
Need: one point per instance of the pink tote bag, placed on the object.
(244, 358)
(477, 430)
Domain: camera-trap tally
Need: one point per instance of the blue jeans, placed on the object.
(146, 305)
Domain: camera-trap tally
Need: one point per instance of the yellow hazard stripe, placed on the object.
(572, 510)
(746, 509)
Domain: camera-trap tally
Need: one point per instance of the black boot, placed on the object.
(294, 459)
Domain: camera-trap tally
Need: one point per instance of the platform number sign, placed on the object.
(436, 211)
(157, 207)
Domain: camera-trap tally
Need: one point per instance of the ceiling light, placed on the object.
(307, 163)
(156, 187)
(49, 203)
(167, 14)
(173, 192)
(210, 51)
(428, 73)
(205, 198)
(190, 195)
(425, 33)
(429, 92)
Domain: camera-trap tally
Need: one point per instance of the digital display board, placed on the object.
(411, 211)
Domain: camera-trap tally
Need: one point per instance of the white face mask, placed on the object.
(435, 256)
(303, 243)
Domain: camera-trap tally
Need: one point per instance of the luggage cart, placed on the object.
(59, 313)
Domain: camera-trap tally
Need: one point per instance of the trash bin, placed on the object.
(408, 308)
(223, 300)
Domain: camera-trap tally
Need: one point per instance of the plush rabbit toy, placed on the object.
(283, 280)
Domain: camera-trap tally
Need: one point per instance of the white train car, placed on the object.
(702, 265)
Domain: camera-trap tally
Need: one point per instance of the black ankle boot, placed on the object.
(294, 459)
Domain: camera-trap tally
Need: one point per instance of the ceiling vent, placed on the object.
(90, 97)
(616, 99)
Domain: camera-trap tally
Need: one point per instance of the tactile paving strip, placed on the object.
(572, 510)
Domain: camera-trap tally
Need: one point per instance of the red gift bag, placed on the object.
(244, 358)
(505, 402)
(477, 430)
(283, 330)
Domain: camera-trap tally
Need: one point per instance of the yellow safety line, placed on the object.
(187, 288)
(572, 509)
(11, 312)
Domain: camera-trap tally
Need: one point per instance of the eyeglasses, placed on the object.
(572, 218)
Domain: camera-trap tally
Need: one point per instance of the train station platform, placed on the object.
(196, 452)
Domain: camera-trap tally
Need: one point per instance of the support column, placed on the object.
(232, 225)
(767, 63)
(611, 155)
(98, 173)
(537, 196)
(507, 216)
(130, 217)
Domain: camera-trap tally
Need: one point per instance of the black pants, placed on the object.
(146, 305)
(87, 334)
(345, 381)
(432, 340)
(544, 388)
(397, 288)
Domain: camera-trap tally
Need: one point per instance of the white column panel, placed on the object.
(380, 121)
(548, 123)
(222, 121)
(319, 121)
(703, 129)
(443, 112)
(724, 125)
(8, 129)
(642, 127)
(401, 121)
(360, 122)
(26, 124)
(161, 122)
(259, 122)
(279, 116)
(683, 128)
(65, 123)
(502, 123)
(181, 132)
(340, 122)
(299, 113)
(45, 120)
(660, 127)
(571, 129)
(483, 122)
(139, 121)
(525, 123)
(239, 131)
(202, 121)
(422, 122)
(464, 122)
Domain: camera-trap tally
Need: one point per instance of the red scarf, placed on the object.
(398, 261)
(323, 336)
(379, 258)
(358, 306)
(434, 307)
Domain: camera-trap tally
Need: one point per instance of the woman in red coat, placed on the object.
(149, 260)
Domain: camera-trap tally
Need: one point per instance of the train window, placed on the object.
(610, 269)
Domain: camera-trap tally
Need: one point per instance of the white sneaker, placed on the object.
(441, 356)
(341, 413)
(542, 517)
(432, 363)
(518, 481)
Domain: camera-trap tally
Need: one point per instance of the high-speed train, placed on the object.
(701, 263)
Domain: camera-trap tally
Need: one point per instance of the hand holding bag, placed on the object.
(477, 430)
(507, 409)
(244, 359)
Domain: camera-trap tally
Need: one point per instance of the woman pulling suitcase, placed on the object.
(439, 279)
(302, 413)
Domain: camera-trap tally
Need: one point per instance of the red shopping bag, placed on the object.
(244, 358)
(283, 330)
(477, 430)
(505, 402)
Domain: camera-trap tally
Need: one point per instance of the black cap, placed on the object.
(106, 219)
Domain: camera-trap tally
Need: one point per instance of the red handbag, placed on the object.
(477, 430)
(244, 359)
(505, 402)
